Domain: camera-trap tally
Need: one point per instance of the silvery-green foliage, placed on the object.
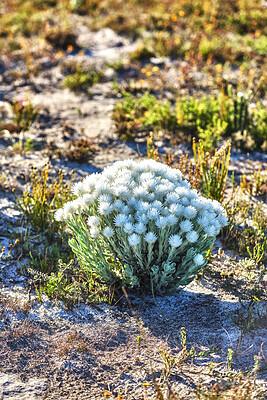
(141, 224)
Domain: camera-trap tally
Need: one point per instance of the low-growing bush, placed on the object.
(228, 114)
(142, 114)
(42, 197)
(141, 224)
(25, 114)
(81, 79)
(80, 150)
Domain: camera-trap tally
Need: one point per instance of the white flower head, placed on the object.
(199, 260)
(186, 226)
(134, 239)
(128, 228)
(120, 220)
(105, 198)
(157, 204)
(172, 220)
(152, 214)
(142, 218)
(192, 236)
(69, 209)
(94, 232)
(185, 201)
(190, 212)
(150, 237)
(59, 215)
(87, 199)
(126, 210)
(121, 191)
(173, 198)
(223, 220)
(140, 228)
(118, 205)
(175, 241)
(210, 230)
(78, 189)
(140, 192)
(203, 221)
(162, 222)
(143, 206)
(93, 221)
(176, 209)
(132, 202)
(108, 232)
(105, 208)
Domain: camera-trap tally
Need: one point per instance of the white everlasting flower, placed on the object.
(140, 228)
(150, 197)
(172, 220)
(176, 209)
(215, 222)
(210, 230)
(140, 192)
(108, 232)
(185, 201)
(223, 220)
(87, 199)
(165, 212)
(128, 228)
(192, 236)
(143, 206)
(147, 176)
(150, 237)
(78, 204)
(150, 185)
(161, 190)
(130, 218)
(186, 226)
(199, 259)
(105, 208)
(132, 202)
(94, 232)
(93, 221)
(105, 198)
(118, 205)
(157, 204)
(172, 198)
(69, 209)
(198, 204)
(182, 191)
(193, 194)
(78, 189)
(217, 207)
(142, 218)
(175, 241)
(153, 213)
(174, 175)
(59, 215)
(203, 221)
(134, 239)
(120, 220)
(190, 212)
(103, 187)
(126, 210)
(121, 191)
(162, 222)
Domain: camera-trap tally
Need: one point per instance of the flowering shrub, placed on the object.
(141, 224)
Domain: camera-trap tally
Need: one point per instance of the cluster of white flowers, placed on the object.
(146, 205)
